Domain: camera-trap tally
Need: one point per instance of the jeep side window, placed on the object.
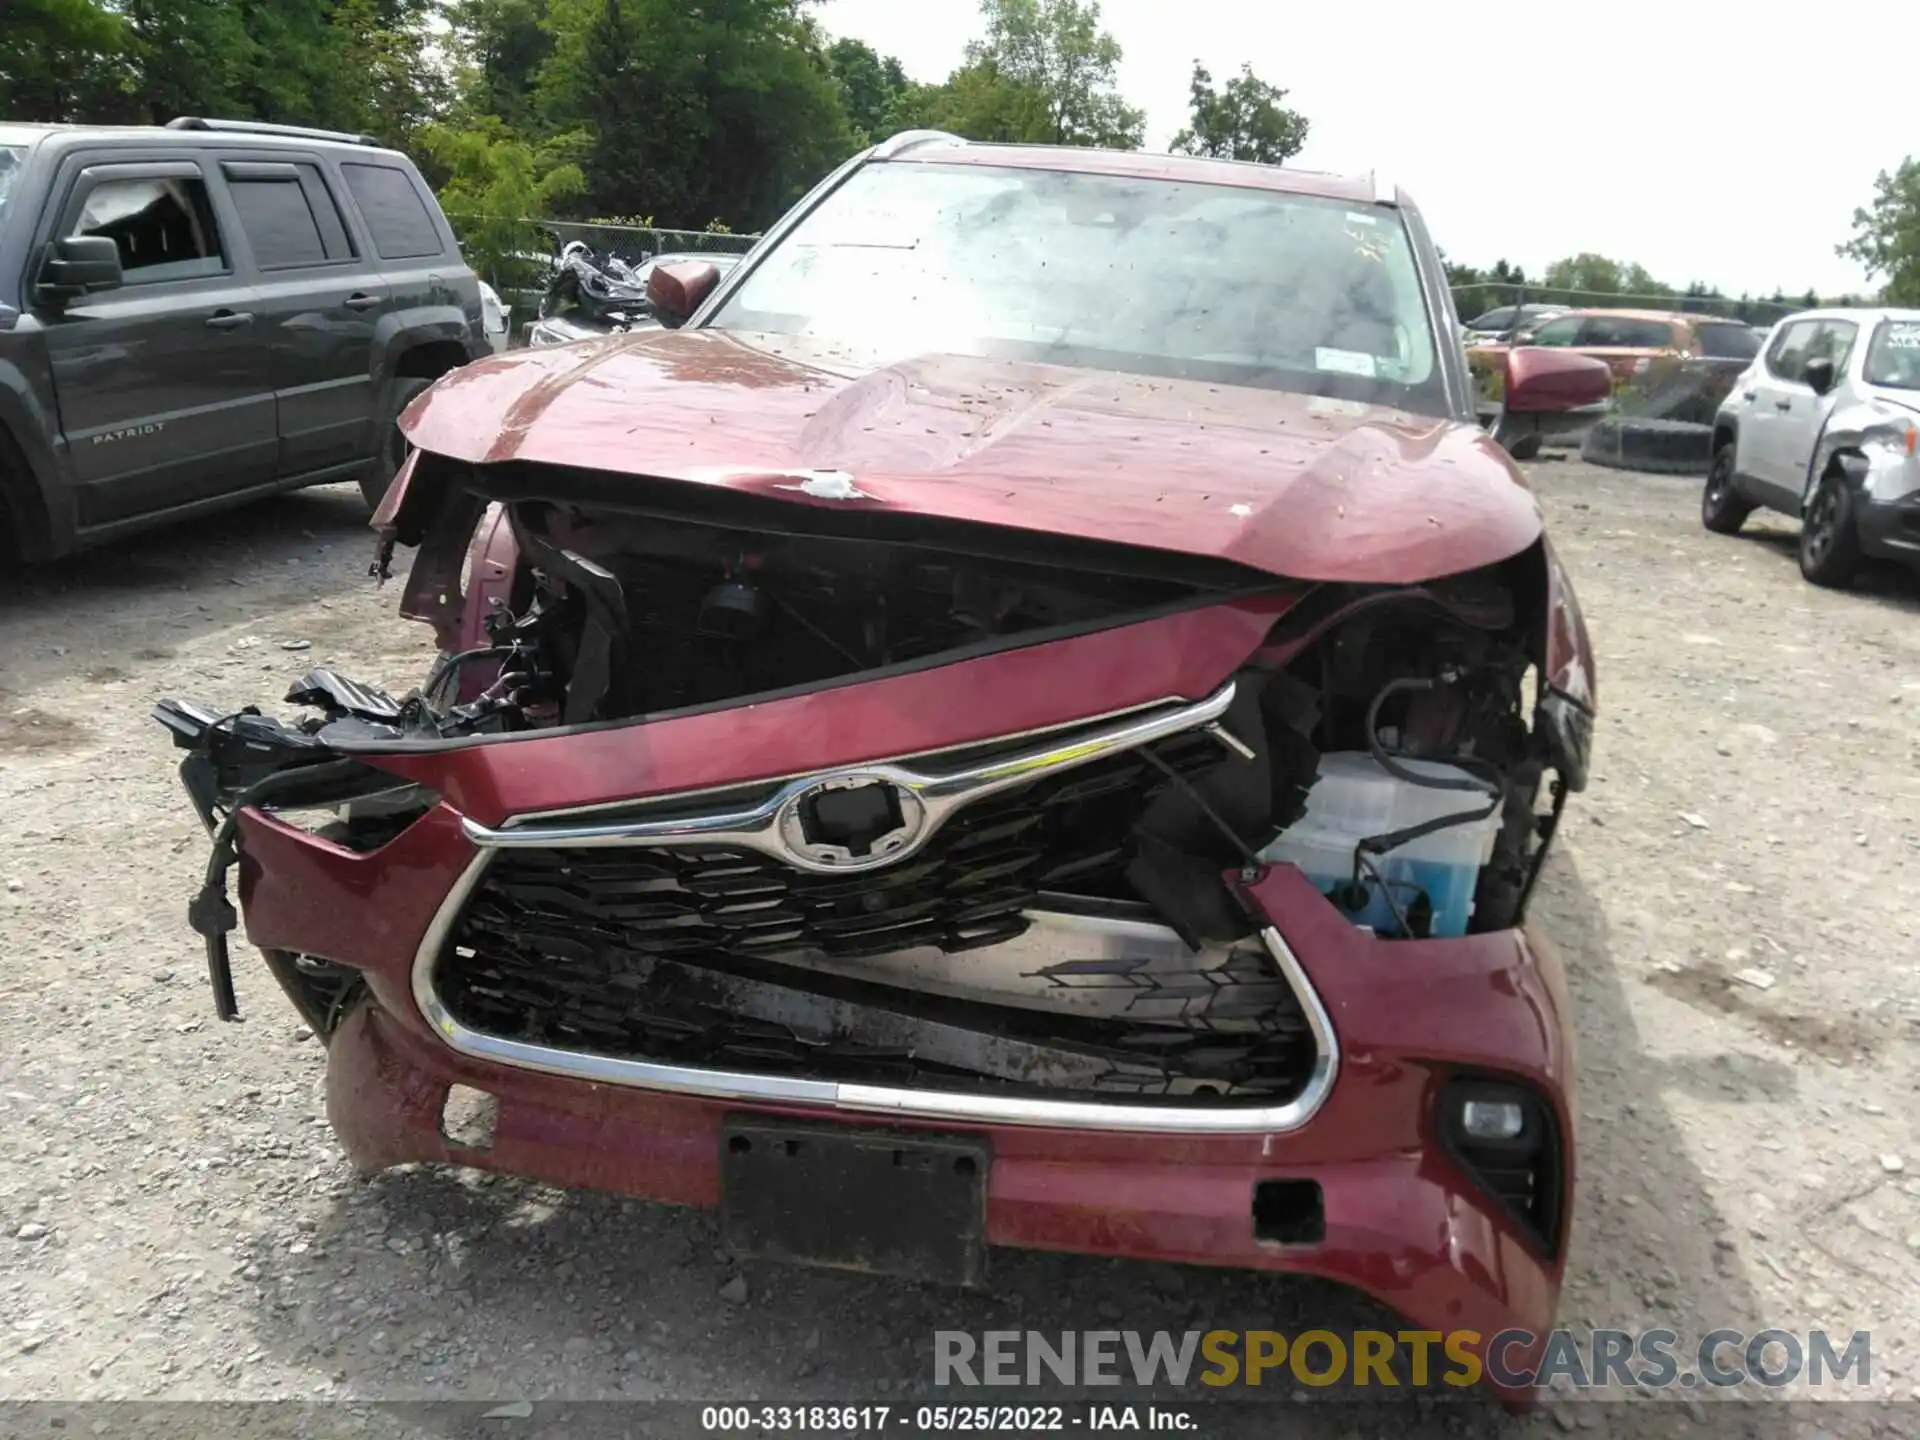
(164, 229)
(279, 223)
(402, 229)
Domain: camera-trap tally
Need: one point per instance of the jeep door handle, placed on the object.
(1783, 404)
(1749, 394)
(361, 301)
(229, 319)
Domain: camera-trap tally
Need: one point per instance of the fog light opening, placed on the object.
(1289, 1212)
(1505, 1137)
(468, 1117)
(1492, 1119)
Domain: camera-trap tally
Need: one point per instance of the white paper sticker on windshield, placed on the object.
(1359, 219)
(1344, 362)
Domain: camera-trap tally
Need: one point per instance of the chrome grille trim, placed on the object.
(757, 829)
(870, 1100)
(938, 795)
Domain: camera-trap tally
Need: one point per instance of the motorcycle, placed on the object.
(590, 296)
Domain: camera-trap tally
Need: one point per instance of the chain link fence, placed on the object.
(637, 243)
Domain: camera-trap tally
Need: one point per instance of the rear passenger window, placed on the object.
(399, 220)
(163, 229)
(279, 223)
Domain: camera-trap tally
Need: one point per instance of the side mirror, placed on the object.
(676, 291)
(1523, 337)
(76, 265)
(1818, 372)
(1549, 381)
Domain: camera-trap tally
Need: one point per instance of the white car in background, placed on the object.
(1824, 425)
(496, 317)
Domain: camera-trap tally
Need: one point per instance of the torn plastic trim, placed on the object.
(246, 761)
(377, 744)
(1567, 727)
(210, 913)
(928, 1104)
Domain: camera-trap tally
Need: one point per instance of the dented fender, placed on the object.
(1874, 441)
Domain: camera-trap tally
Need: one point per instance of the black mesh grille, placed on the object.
(644, 953)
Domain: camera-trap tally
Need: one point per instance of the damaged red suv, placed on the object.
(1028, 717)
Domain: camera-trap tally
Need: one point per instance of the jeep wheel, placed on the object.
(1721, 508)
(1829, 544)
(393, 445)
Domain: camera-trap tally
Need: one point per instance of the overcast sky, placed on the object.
(1710, 142)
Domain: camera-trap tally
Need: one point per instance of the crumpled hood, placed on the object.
(1296, 486)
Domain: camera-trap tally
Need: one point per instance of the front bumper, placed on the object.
(1404, 1221)
(1889, 529)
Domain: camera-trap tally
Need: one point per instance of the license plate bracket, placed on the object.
(882, 1202)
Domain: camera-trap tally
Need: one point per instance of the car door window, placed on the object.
(1624, 332)
(1558, 332)
(1787, 356)
(278, 222)
(396, 216)
(1832, 341)
(164, 229)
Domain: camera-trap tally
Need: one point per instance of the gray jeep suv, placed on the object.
(198, 314)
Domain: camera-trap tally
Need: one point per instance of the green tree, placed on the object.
(1594, 274)
(1886, 234)
(387, 83)
(1056, 50)
(1580, 278)
(493, 182)
(976, 101)
(869, 86)
(1242, 120)
(1635, 281)
(55, 53)
(696, 109)
(499, 47)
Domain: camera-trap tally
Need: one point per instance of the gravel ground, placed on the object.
(176, 1223)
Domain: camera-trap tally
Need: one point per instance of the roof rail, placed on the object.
(262, 127)
(911, 140)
